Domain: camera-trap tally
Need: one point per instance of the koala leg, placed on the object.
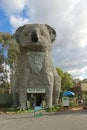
(49, 96)
(23, 93)
(49, 83)
(23, 84)
(23, 99)
(56, 89)
(15, 99)
(14, 90)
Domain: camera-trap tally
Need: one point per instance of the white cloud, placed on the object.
(17, 21)
(14, 10)
(79, 74)
(12, 6)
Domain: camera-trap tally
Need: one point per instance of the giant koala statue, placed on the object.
(35, 67)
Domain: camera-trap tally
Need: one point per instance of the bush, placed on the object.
(73, 104)
(53, 109)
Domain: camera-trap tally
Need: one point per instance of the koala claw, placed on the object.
(22, 108)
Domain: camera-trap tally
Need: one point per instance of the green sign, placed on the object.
(37, 111)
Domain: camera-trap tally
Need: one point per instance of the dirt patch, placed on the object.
(77, 108)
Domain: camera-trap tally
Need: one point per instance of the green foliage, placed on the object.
(66, 79)
(73, 104)
(11, 109)
(9, 53)
(5, 38)
(53, 109)
(1, 54)
(60, 72)
(8, 42)
(13, 52)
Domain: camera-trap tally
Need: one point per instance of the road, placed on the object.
(67, 120)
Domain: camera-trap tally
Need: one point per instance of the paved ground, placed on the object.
(69, 120)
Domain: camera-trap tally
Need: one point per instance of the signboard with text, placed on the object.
(35, 90)
(65, 101)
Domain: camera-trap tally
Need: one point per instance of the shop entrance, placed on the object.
(35, 99)
(35, 96)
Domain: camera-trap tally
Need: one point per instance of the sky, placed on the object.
(67, 17)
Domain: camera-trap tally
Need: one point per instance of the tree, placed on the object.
(60, 72)
(9, 44)
(9, 52)
(84, 80)
(3, 67)
(1, 58)
(66, 80)
(77, 80)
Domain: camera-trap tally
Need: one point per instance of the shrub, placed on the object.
(53, 109)
(73, 104)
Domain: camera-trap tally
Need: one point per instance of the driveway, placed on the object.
(67, 120)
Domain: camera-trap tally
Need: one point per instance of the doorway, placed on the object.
(38, 99)
(35, 99)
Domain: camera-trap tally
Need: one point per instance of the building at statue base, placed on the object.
(36, 97)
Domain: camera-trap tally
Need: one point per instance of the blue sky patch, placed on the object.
(4, 23)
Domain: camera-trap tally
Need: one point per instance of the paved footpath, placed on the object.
(69, 120)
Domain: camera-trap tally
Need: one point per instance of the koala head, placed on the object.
(35, 37)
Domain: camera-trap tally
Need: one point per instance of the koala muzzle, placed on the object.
(34, 36)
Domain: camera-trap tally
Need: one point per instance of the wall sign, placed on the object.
(35, 90)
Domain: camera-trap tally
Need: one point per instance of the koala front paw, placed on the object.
(22, 108)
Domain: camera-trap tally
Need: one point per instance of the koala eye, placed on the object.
(26, 34)
(43, 33)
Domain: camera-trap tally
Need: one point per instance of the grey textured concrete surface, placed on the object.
(35, 68)
(70, 120)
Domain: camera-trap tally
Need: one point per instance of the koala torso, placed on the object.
(35, 42)
(38, 65)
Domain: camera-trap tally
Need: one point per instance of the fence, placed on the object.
(5, 100)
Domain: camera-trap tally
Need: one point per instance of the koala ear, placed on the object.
(17, 33)
(52, 32)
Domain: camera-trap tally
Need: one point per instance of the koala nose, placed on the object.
(34, 36)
